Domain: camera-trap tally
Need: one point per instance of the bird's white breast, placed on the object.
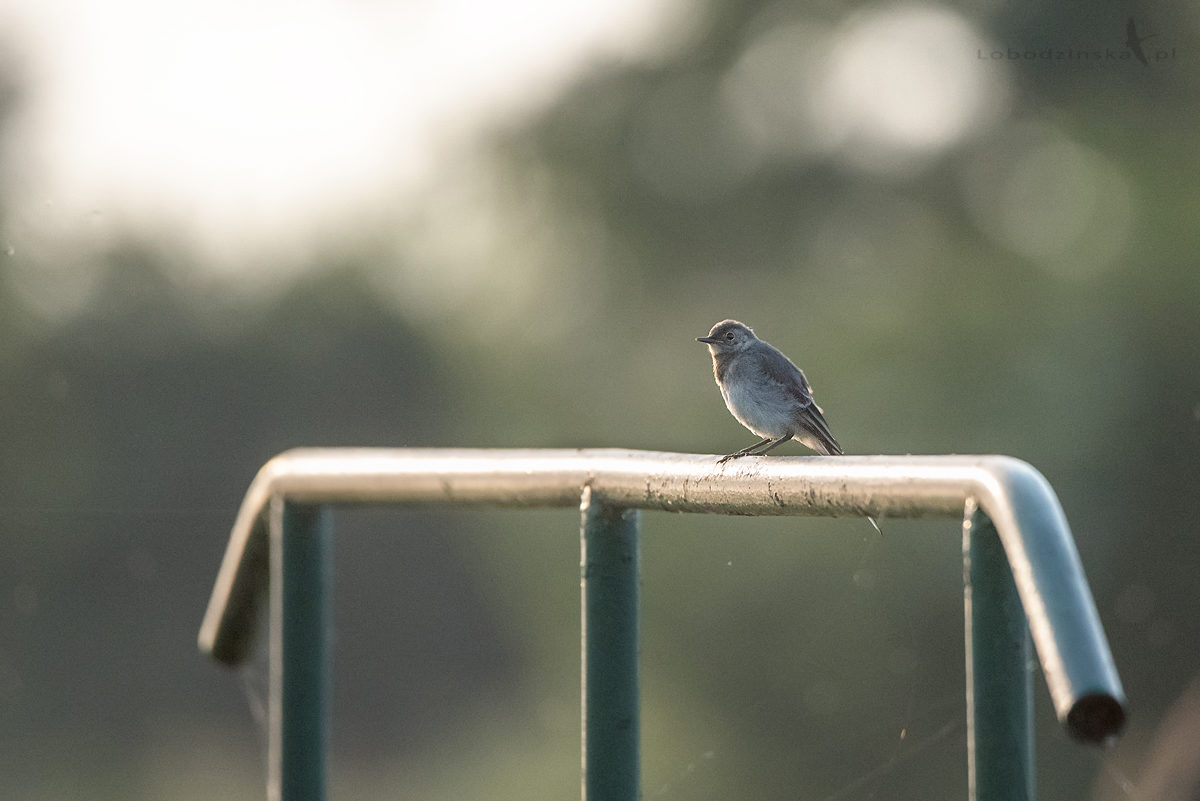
(762, 412)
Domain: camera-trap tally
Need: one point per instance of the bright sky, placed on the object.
(255, 132)
(244, 119)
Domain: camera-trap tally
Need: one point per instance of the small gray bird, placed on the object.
(765, 392)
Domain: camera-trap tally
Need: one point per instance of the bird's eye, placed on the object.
(729, 335)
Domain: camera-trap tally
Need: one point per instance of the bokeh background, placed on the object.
(227, 229)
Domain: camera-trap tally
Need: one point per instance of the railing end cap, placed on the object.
(1096, 718)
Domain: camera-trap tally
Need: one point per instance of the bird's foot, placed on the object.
(737, 455)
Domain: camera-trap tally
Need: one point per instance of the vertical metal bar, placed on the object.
(609, 570)
(999, 670)
(300, 588)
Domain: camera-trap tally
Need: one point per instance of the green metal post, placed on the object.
(999, 670)
(609, 578)
(301, 570)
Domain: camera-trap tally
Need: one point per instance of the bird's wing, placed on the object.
(779, 369)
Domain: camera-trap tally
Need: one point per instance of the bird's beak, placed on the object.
(706, 340)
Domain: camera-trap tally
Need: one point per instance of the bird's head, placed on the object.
(728, 336)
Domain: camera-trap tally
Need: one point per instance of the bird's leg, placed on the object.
(743, 451)
(775, 443)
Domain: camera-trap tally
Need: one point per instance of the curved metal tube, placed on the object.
(1066, 630)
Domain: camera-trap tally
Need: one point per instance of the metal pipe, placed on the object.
(999, 670)
(1074, 654)
(301, 578)
(609, 567)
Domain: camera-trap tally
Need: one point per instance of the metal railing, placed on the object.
(1021, 570)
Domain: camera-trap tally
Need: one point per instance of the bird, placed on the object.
(767, 393)
(1134, 42)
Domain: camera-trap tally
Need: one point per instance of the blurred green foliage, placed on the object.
(1031, 289)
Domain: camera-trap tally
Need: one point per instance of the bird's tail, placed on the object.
(814, 432)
